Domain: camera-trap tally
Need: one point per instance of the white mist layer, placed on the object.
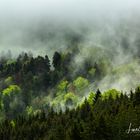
(104, 27)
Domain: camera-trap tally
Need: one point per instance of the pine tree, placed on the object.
(137, 97)
(97, 96)
(57, 61)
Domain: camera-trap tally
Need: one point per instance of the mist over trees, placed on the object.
(69, 70)
(80, 92)
(36, 90)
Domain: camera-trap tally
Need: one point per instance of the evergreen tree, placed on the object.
(97, 96)
(57, 60)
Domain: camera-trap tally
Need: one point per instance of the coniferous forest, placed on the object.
(69, 70)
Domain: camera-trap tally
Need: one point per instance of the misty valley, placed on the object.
(69, 70)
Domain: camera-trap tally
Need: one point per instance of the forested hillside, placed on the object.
(49, 100)
(31, 84)
(108, 116)
(69, 70)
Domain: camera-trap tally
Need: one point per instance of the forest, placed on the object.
(69, 70)
(43, 99)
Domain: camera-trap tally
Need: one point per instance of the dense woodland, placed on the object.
(99, 117)
(29, 84)
(48, 100)
(69, 70)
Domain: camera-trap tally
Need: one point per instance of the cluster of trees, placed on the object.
(101, 116)
(45, 100)
(36, 83)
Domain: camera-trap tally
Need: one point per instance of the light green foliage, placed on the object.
(12, 89)
(58, 100)
(13, 124)
(71, 97)
(91, 97)
(38, 111)
(92, 71)
(8, 81)
(61, 100)
(61, 91)
(29, 110)
(62, 85)
(11, 61)
(112, 92)
(10, 99)
(81, 83)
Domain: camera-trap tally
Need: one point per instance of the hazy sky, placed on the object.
(24, 22)
(65, 8)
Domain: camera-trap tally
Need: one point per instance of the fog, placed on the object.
(45, 26)
(27, 24)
